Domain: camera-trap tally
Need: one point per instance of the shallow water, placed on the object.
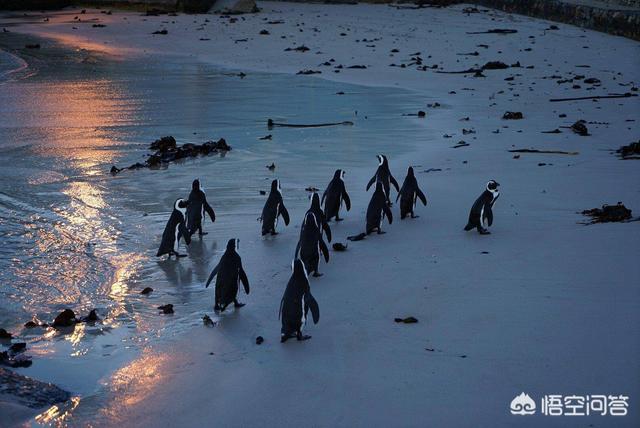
(74, 236)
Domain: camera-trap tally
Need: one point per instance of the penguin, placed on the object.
(316, 209)
(334, 195)
(174, 230)
(230, 272)
(377, 209)
(481, 214)
(197, 208)
(383, 175)
(409, 194)
(273, 208)
(295, 304)
(311, 244)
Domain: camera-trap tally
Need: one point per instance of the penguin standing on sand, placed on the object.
(383, 175)
(197, 208)
(317, 211)
(230, 272)
(377, 209)
(481, 214)
(333, 197)
(174, 230)
(311, 244)
(295, 304)
(273, 208)
(409, 195)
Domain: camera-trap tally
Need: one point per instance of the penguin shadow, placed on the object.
(176, 272)
(200, 254)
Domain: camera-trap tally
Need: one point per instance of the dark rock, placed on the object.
(512, 115)
(407, 320)
(338, 246)
(166, 309)
(4, 334)
(421, 113)
(164, 144)
(206, 320)
(630, 151)
(311, 189)
(98, 25)
(30, 324)
(308, 72)
(259, 340)
(262, 192)
(592, 81)
(266, 137)
(608, 213)
(301, 48)
(360, 67)
(495, 65)
(163, 32)
(146, 290)
(264, 33)
(14, 361)
(271, 167)
(580, 128)
(92, 317)
(33, 46)
(66, 318)
(18, 347)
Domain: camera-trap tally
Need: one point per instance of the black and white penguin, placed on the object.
(481, 214)
(273, 208)
(383, 175)
(377, 209)
(334, 195)
(295, 304)
(409, 195)
(230, 272)
(197, 208)
(311, 244)
(317, 211)
(174, 230)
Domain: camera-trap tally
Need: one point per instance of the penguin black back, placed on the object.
(311, 244)
(229, 272)
(174, 230)
(295, 304)
(377, 209)
(481, 214)
(334, 195)
(409, 194)
(273, 208)
(383, 175)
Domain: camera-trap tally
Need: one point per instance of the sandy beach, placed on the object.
(544, 305)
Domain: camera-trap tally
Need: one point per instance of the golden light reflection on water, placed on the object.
(56, 415)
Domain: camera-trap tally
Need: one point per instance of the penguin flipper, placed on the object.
(346, 199)
(310, 301)
(422, 197)
(280, 310)
(387, 212)
(327, 230)
(183, 232)
(244, 280)
(214, 272)
(296, 255)
(324, 250)
(394, 182)
(209, 211)
(285, 214)
(373, 180)
(324, 195)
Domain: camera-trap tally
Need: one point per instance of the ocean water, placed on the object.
(74, 236)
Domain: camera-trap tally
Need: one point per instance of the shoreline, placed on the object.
(241, 360)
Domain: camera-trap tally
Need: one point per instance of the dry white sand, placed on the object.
(553, 307)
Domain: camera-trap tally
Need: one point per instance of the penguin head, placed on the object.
(181, 205)
(492, 186)
(338, 174)
(315, 201)
(195, 185)
(381, 159)
(275, 186)
(410, 172)
(298, 268)
(233, 244)
(310, 220)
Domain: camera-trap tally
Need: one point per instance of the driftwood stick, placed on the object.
(554, 152)
(597, 97)
(271, 124)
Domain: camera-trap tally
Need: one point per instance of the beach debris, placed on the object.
(31, 324)
(461, 143)
(358, 237)
(597, 97)
(494, 31)
(307, 72)
(271, 124)
(630, 151)
(432, 170)
(555, 131)
(259, 340)
(271, 167)
(301, 48)
(266, 137)
(311, 189)
(98, 25)
(92, 317)
(207, 321)
(29, 392)
(18, 347)
(235, 7)
(146, 290)
(358, 67)
(608, 214)
(262, 192)
(163, 32)
(264, 33)
(32, 46)
(66, 318)
(552, 152)
(338, 246)
(512, 115)
(419, 114)
(14, 361)
(166, 309)
(495, 65)
(580, 128)
(407, 320)
(4, 334)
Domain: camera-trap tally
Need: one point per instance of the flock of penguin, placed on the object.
(188, 215)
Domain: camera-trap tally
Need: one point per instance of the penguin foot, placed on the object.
(484, 232)
(203, 233)
(302, 337)
(339, 219)
(381, 232)
(317, 274)
(274, 233)
(180, 255)
(238, 304)
(217, 308)
(414, 216)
